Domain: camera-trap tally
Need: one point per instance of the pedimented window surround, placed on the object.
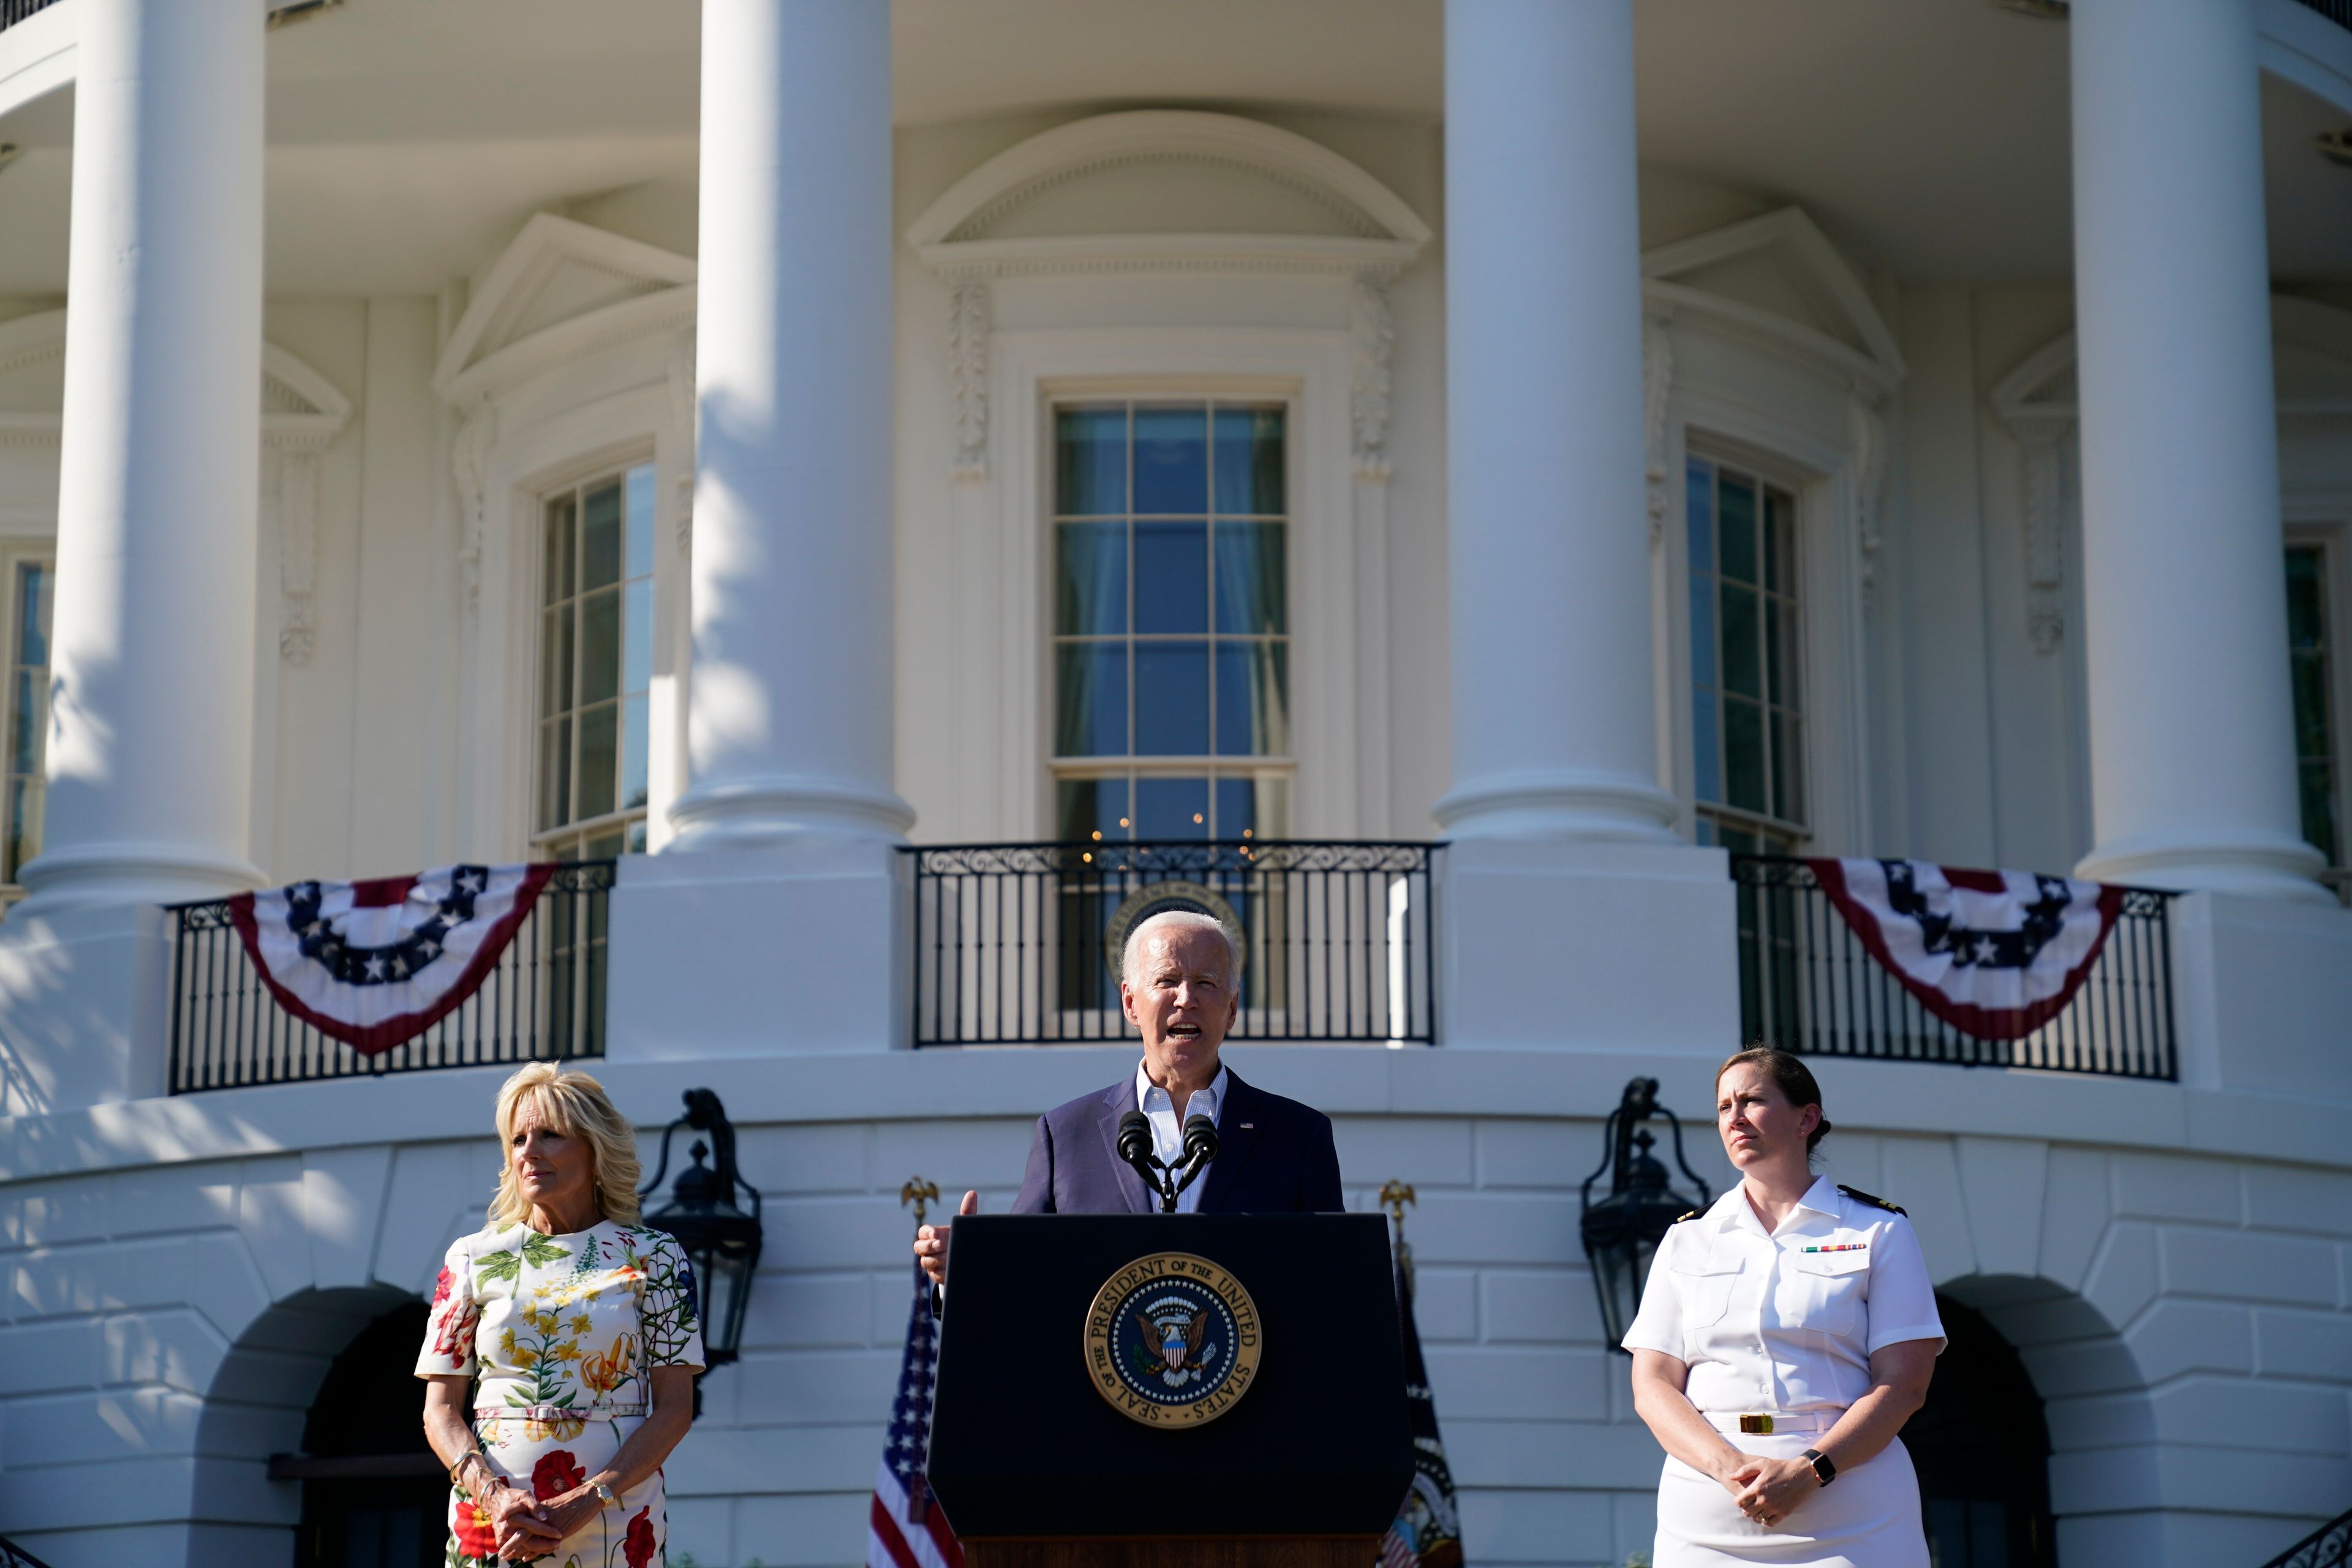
(1058, 257)
(576, 354)
(1761, 348)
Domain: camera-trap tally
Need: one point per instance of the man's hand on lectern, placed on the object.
(932, 1241)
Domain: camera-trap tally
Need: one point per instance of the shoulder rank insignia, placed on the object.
(1862, 1198)
(1692, 1215)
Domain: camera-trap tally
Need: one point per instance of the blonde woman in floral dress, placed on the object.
(559, 1358)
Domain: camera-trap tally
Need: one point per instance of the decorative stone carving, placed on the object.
(2042, 443)
(1657, 388)
(298, 554)
(1866, 433)
(470, 458)
(968, 359)
(1372, 344)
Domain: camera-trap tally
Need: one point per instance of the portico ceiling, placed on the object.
(1928, 138)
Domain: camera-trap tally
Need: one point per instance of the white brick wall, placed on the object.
(163, 1326)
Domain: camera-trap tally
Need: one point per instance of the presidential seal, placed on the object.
(1172, 1341)
(1158, 899)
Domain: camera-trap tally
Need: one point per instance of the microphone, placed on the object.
(1135, 1148)
(1200, 1148)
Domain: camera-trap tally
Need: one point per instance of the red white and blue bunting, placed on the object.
(1996, 954)
(376, 962)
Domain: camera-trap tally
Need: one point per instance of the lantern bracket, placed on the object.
(1639, 1104)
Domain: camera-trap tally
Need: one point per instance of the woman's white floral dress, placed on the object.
(562, 1332)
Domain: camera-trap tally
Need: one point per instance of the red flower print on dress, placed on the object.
(475, 1538)
(441, 1287)
(638, 1545)
(556, 1472)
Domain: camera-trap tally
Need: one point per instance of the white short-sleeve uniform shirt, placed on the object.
(1783, 1322)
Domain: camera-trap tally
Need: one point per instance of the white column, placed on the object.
(1544, 479)
(788, 709)
(2192, 759)
(151, 739)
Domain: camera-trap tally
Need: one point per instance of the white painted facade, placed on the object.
(478, 257)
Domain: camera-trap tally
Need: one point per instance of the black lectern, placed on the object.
(1144, 1391)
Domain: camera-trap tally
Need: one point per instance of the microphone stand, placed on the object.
(1135, 1148)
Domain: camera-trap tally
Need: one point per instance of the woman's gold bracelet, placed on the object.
(457, 1470)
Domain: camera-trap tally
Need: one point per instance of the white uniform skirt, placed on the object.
(1867, 1517)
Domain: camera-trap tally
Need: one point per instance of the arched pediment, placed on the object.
(1780, 275)
(560, 287)
(299, 407)
(1168, 187)
(2311, 355)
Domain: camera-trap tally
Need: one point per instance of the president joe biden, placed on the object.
(1179, 985)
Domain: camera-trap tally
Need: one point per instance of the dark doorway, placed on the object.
(1983, 1453)
(373, 1494)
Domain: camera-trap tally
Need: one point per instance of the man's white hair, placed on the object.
(1130, 961)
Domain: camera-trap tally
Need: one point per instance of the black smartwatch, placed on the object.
(1821, 1466)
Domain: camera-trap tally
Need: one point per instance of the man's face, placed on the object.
(1183, 1002)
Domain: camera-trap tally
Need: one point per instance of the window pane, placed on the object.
(2308, 679)
(2316, 782)
(1090, 462)
(1788, 768)
(1252, 808)
(1249, 462)
(600, 760)
(1090, 578)
(1090, 707)
(600, 542)
(1088, 809)
(1171, 577)
(1171, 461)
(33, 582)
(1700, 500)
(25, 802)
(639, 483)
(1171, 808)
(1779, 542)
(555, 668)
(554, 773)
(25, 722)
(633, 752)
(2306, 599)
(637, 837)
(1172, 700)
(1743, 754)
(1702, 619)
(637, 638)
(1780, 652)
(600, 647)
(1252, 585)
(1252, 699)
(1738, 529)
(1741, 640)
(556, 551)
(1707, 748)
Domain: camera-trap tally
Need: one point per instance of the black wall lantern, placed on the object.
(720, 1240)
(1622, 1232)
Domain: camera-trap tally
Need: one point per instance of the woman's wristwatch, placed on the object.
(1825, 1471)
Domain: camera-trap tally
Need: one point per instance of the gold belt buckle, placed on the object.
(1756, 1425)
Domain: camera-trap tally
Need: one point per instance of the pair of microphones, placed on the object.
(1135, 1148)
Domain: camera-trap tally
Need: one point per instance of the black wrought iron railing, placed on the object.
(2336, 11)
(1019, 944)
(15, 1556)
(544, 1000)
(14, 11)
(1807, 984)
(2329, 1546)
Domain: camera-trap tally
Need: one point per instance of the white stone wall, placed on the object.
(2179, 1296)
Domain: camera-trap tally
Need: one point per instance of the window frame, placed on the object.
(1791, 833)
(1133, 765)
(15, 553)
(2332, 536)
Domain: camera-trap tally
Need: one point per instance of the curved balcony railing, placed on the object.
(542, 1001)
(14, 11)
(1018, 944)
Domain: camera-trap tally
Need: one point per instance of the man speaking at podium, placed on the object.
(1103, 1153)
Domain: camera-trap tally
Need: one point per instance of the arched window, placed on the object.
(1982, 1450)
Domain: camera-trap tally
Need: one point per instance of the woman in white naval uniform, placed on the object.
(1786, 1335)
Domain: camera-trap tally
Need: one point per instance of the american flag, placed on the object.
(906, 1527)
(1428, 1529)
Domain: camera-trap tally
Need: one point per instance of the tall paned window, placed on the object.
(31, 587)
(1747, 708)
(595, 662)
(1170, 621)
(2311, 653)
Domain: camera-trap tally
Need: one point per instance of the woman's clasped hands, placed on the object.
(1766, 1490)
